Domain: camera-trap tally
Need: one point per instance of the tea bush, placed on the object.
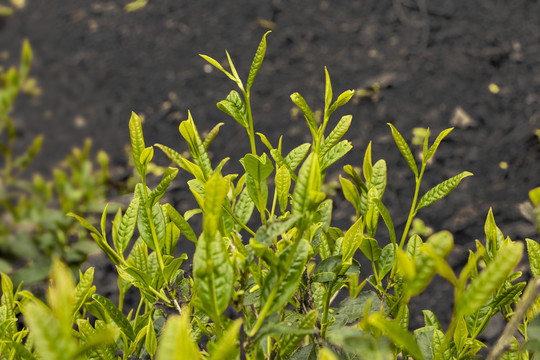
(267, 291)
(34, 227)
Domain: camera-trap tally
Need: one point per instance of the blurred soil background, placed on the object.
(472, 65)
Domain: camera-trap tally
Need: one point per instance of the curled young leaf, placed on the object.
(257, 61)
(299, 101)
(404, 149)
(234, 106)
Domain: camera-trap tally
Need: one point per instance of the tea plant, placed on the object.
(34, 227)
(269, 265)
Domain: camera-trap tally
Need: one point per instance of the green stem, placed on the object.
(264, 311)
(237, 220)
(273, 293)
(326, 308)
(412, 214)
(250, 130)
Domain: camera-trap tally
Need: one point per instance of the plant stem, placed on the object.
(326, 308)
(250, 130)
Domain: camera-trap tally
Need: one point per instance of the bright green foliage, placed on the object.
(264, 286)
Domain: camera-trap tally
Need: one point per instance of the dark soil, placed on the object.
(96, 63)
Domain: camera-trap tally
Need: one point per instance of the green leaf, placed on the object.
(335, 135)
(424, 339)
(370, 248)
(386, 260)
(235, 107)
(379, 177)
(533, 252)
(404, 149)
(508, 296)
(441, 190)
(353, 174)
(335, 153)
(482, 288)
(234, 72)
(151, 340)
(244, 207)
(215, 192)
(137, 142)
(327, 90)
(387, 219)
(84, 290)
(287, 287)
(259, 167)
(176, 342)
(402, 338)
(85, 223)
(49, 340)
(351, 193)
(115, 315)
(367, 165)
(189, 132)
(182, 162)
(435, 145)
(181, 223)
(218, 66)
(352, 240)
(299, 101)
(146, 156)
(296, 155)
(309, 180)
(227, 346)
(211, 135)
(213, 274)
(441, 346)
(159, 191)
(431, 320)
(494, 236)
(146, 229)
(342, 99)
(273, 228)
(127, 226)
(438, 245)
(8, 302)
(477, 321)
(257, 61)
(283, 185)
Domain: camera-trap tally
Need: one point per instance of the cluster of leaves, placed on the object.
(269, 292)
(34, 227)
